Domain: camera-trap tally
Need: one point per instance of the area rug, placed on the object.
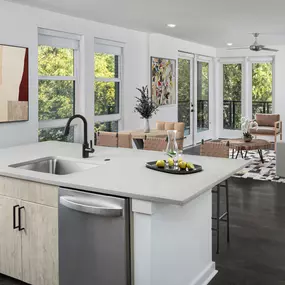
(259, 171)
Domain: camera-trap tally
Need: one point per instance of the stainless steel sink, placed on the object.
(54, 165)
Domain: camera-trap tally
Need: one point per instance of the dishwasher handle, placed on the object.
(91, 206)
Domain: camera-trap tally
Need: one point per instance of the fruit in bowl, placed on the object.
(190, 165)
(182, 164)
(170, 162)
(160, 163)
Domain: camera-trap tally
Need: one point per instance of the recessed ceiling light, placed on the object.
(229, 44)
(171, 25)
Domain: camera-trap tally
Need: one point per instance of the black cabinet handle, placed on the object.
(14, 217)
(20, 219)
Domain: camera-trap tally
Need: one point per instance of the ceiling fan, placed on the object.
(255, 46)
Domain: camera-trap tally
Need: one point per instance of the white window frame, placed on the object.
(246, 88)
(113, 48)
(61, 40)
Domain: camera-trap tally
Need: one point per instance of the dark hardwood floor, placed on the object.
(256, 253)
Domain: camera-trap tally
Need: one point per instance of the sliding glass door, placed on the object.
(185, 96)
(194, 97)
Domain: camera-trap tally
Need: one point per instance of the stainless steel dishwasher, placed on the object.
(94, 239)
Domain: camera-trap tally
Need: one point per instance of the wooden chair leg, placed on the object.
(275, 141)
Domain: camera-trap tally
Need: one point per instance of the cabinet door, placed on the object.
(10, 239)
(40, 244)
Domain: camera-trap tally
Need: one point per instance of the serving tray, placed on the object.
(171, 170)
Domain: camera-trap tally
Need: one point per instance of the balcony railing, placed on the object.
(231, 110)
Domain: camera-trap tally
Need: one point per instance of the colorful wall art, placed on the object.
(163, 81)
(14, 84)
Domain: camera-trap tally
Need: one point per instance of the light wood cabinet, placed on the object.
(10, 239)
(30, 254)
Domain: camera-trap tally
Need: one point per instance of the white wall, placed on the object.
(278, 82)
(168, 47)
(18, 26)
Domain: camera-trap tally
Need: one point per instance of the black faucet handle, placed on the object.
(91, 147)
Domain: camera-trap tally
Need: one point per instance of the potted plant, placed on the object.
(145, 107)
(246, 125)
(247, 137)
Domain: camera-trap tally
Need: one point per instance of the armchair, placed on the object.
(268, 125)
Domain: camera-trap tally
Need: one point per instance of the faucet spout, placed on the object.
(86, 148)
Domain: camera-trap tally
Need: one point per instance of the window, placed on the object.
(57, 70)
(106, 126)
(107, 85)
(232, 95)
(202, 96)
(261, 88)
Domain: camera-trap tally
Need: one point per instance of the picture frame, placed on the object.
(14, 84)
(163, 81)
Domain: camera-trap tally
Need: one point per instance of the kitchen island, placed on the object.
(170, 214)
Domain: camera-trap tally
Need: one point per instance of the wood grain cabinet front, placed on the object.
(29, 231)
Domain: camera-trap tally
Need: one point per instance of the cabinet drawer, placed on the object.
(29, 191)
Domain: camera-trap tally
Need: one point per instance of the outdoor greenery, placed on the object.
(261, 92)
(56, 97)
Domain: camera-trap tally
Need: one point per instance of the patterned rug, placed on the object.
(259, 171)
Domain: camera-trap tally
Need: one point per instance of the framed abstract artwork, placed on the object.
(163, 81)
(14, 84)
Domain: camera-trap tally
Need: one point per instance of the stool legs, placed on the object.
(227, 210)
(225, 217)
(218, 219)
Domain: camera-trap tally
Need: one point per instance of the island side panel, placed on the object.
(173, 244)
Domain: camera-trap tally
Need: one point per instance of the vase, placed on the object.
(172, 147)
(146, 126)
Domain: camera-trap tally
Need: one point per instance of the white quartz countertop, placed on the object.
(124, 175)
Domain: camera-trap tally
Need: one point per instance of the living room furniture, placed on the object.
(114, 139)
(219, 149)
(156, 144)
(109, 139)
(280, 159)
(268, 125)
(240, 145)
(178, 126)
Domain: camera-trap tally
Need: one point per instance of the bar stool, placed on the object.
(218, 149)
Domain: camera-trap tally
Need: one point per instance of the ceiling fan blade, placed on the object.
(270, 49)
(234, 48)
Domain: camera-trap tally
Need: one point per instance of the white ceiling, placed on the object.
(210, 22)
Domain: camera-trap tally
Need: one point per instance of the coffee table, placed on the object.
(240, 145)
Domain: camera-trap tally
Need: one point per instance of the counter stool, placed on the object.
(218, 149)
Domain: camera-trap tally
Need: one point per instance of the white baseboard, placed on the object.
(206, 275)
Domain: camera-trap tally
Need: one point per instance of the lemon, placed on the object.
(190, 165)
(170, 162)
(182, 164)
(160, 163)
(180, 159)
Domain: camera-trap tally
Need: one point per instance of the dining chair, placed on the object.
(222, 150)
(156, 144)
(109, 139)
(124, 140)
